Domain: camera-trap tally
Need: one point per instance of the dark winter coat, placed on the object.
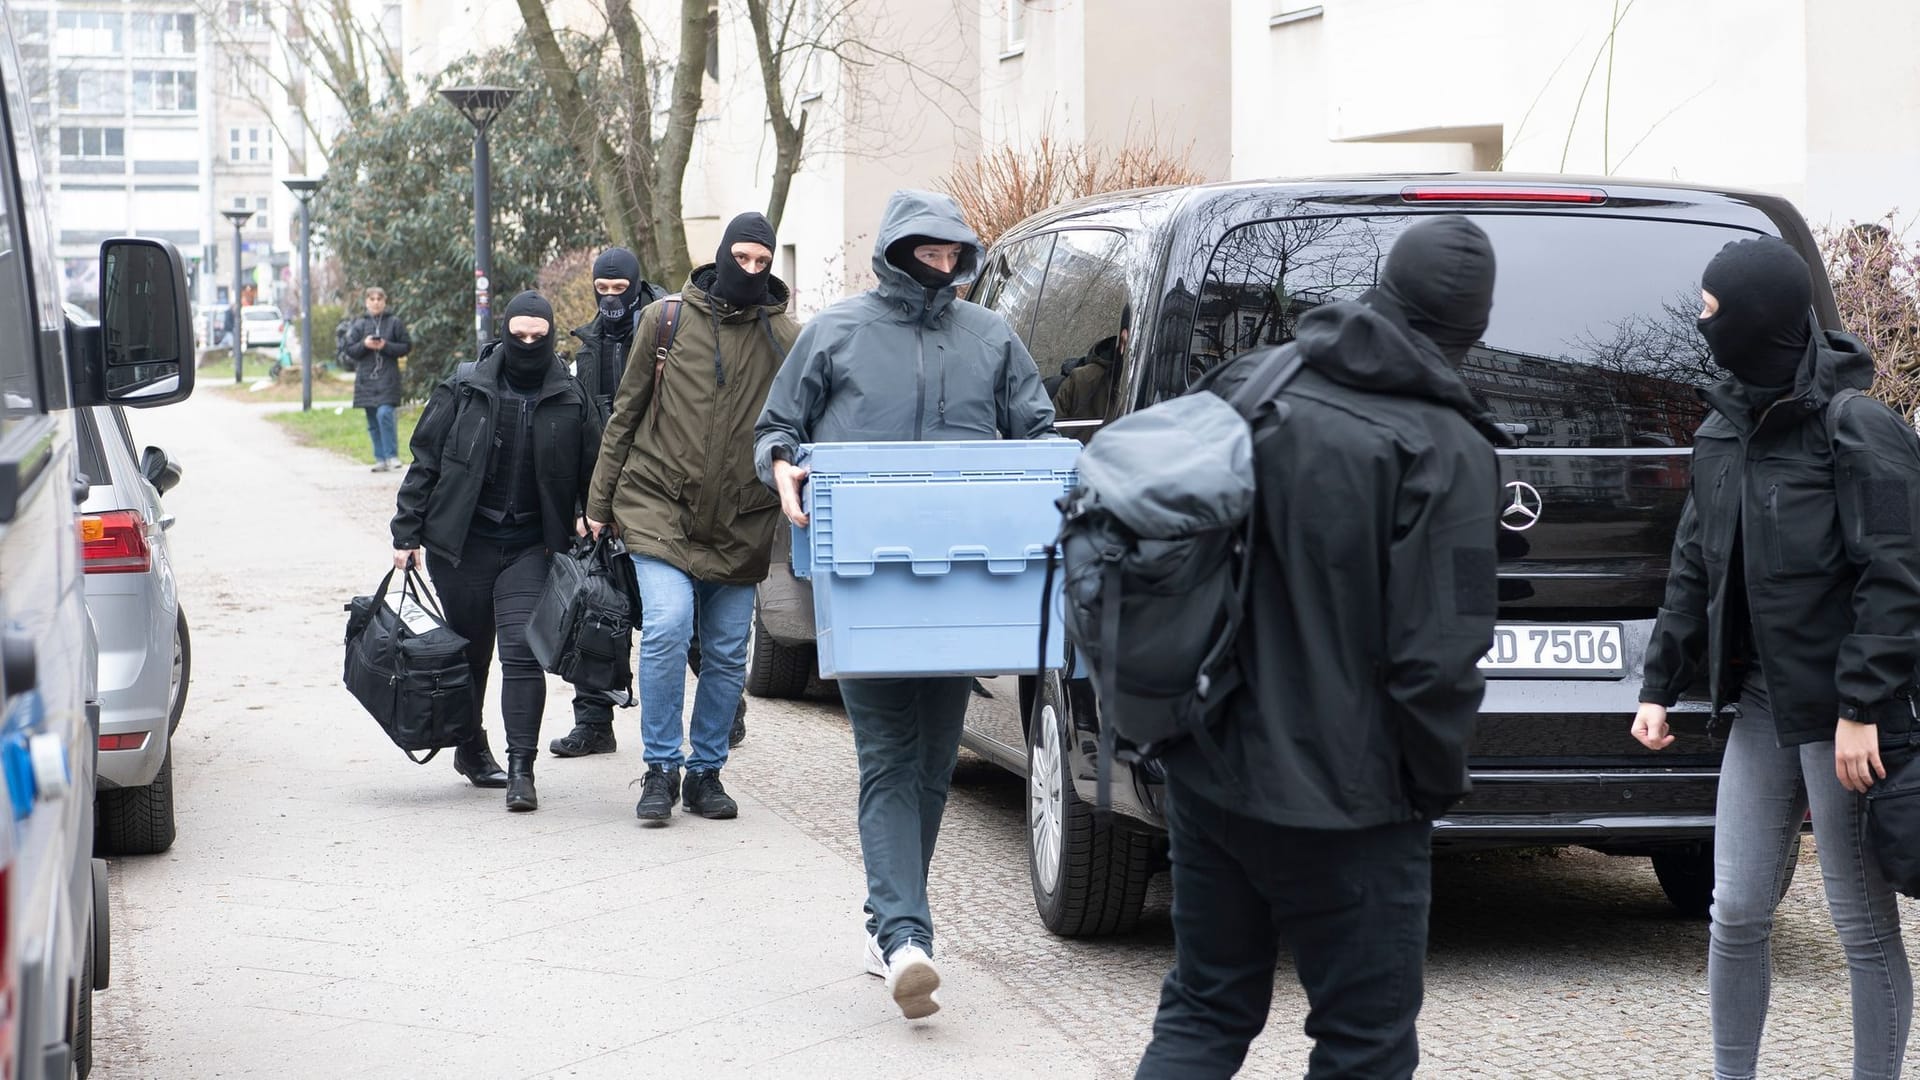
(675, 467)
(901, 362)
(595, 344)
(376, 375)
(1373, 587)
(452, 447)
(1825, 526)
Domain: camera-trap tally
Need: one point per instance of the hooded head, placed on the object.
(916, 219)
(617, 285)
(743, 264)
(1439, 279)
(1759, 321)
(528, 346)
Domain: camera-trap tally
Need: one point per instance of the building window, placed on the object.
(163, 35)
(93, 142)
(163, 91)
(33, 25)
(810, 67)
(246, 13)
(90, 33)
(247, 79)
(249, 145)
(713, 42)
(1013, 32)
(93, 91)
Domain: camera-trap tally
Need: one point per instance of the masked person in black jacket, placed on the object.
(501, 459)
(1373, 601)
(606, 344)
(1796, 578)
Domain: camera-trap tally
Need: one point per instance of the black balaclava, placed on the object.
(734, 285)
(1439, 277)
(1764, 323)
(900, 254)
(526, 365)
(616, 311)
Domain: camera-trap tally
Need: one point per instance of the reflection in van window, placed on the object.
(1592, 341)
(1081, 338)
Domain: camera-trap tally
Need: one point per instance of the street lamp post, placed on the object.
(303, 188)
(480, 105)
(239, 219)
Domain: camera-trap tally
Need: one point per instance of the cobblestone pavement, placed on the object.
(292, 930)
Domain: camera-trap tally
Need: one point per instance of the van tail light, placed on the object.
(116, 543)
(1498, 194)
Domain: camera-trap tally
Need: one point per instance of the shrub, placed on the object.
(1005, 186)
(1875, 272)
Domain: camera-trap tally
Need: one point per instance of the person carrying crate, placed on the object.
(905, 361)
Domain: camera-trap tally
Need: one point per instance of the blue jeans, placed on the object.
(383, 427)
(906, 733)
(669, 602)
(1765, 790)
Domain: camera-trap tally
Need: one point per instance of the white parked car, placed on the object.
(261, 324)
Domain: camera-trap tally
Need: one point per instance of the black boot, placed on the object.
(475, 762)
(659, 790)
(739, 733)
(520, 793)
(707, 798)
(584, 739)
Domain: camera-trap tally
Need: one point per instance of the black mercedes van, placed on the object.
(1592, 363)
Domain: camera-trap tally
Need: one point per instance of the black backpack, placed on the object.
(1154, 544)
(582, 628)
(409, 669)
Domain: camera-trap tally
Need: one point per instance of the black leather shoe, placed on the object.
(584, 739)
(739, 733)
(706, 798)
(475, 762)
(520, 793)
(659, 789)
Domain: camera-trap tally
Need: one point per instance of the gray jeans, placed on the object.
(1765, 791)
(907, 735)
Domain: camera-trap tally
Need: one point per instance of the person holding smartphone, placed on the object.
(371, 347)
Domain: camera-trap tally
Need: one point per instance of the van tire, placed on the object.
(1089, 875)
(82, 1045)
(1686, 876)
(775, 670)
(137, 820)
(183, 644)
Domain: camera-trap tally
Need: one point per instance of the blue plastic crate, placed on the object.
(929, 558)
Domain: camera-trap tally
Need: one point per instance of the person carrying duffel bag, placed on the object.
(409, 669)
(501, 459)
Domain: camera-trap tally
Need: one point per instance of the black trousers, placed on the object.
(490, 596)
(1350, 905)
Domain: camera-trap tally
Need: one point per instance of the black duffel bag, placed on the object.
(1893, 811)
(409, 669)
(582, 628)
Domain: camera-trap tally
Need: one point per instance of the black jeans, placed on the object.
(1350, 905)
(490, 595)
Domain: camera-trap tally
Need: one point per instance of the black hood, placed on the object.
(1439, 281)
(732, 283)
(1764, 324)
(1371, 347)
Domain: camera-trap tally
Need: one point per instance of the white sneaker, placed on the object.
(912, 980)
(876, 962)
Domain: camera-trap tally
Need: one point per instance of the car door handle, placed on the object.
(19, 662)
(82, 487)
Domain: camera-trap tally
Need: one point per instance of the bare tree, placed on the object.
(635, 172)
(317, 41)
(1007, 185)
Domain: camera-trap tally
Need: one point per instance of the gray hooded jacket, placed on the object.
(904, 363)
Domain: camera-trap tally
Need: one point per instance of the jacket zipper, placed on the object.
(920, 396)
(1773, 527)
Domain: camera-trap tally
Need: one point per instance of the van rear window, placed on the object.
(1592, 341)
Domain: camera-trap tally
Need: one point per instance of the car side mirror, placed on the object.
(142, 352)
(160, 470)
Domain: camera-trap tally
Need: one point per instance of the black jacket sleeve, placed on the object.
(398, 343)
(1680, 633)
(1441, 599)
(1876, 469)
(354, 348)
(416, 489)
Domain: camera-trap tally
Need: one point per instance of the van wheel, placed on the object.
(138, 821)
(775, 670)
(83, 1018)
(1089, 876)
(1686, 876)
(182, 671)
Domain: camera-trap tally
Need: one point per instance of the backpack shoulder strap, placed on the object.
(1834, 405)
(663, 334)
(1273, 371)
(465, 371)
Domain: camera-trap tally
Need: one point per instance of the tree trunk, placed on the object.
(676, 146)
(619, 213)
(789, 138)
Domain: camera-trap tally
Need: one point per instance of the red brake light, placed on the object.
(1437, 194)
(116, 543)
(134, 741)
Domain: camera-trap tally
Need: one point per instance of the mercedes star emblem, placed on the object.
(1524, 511)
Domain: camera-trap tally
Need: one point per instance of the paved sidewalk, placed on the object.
(331, 910)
